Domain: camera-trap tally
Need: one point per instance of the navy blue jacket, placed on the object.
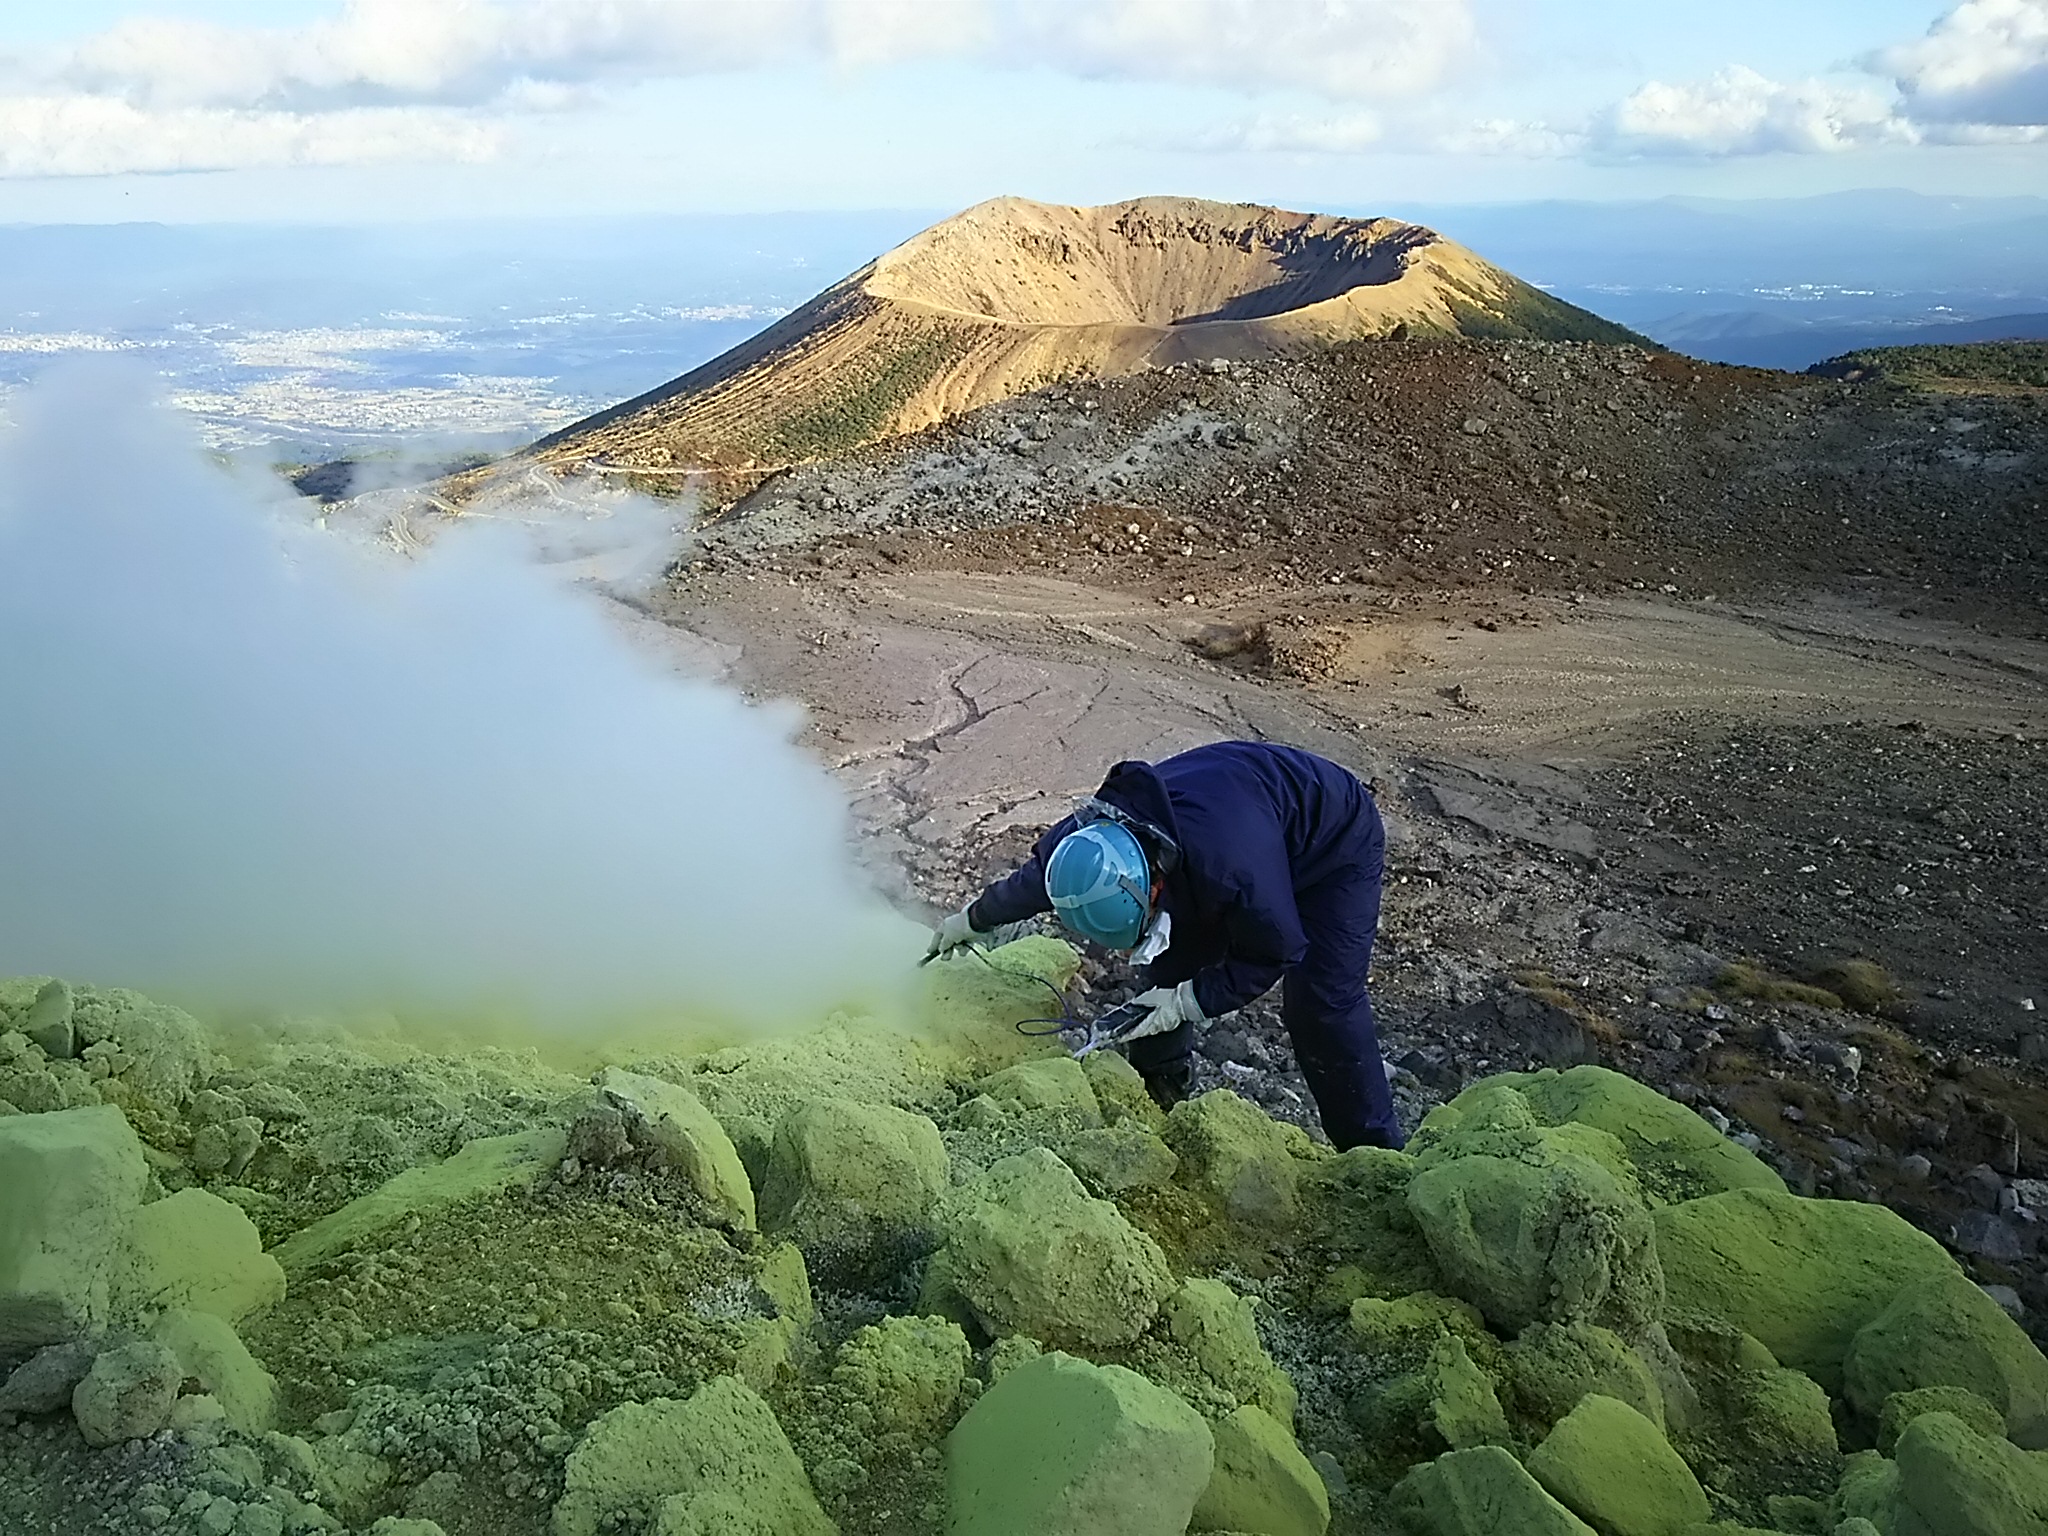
(1254, 824)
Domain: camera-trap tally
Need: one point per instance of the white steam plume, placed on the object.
(253, 763)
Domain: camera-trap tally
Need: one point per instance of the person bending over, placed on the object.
(1219, 872)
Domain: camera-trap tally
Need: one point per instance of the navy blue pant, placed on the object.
(1324, 1003)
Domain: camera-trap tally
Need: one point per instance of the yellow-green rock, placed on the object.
(1262, 1485)
(689, 1138)
(1551, 1367)
(1483, 1492)
(1031, 1252)
(1054, 1085)
(854, 1185)
(1219, 1329)
(128, 1393)
(1902, 1408)
(194, 1251)
(1803, 1276)
(1945, 1332)
(688, 1465)
(1060, 1447)
(1953, 1481)
(210, 1352)
(908, 1370)
(488, 1165)
(70, 1182)
(1608, 1465)
(1249, 1164)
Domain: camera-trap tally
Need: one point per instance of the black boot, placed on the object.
(1169, 1082)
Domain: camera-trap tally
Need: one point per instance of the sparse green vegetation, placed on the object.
(2023, 364)
(1525, 313)
(864, 410)
(1759, 985)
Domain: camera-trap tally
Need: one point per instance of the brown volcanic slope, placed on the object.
(1012, 295)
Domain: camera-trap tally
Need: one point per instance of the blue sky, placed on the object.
(323, 110)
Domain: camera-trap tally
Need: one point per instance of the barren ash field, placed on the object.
(1705, 710)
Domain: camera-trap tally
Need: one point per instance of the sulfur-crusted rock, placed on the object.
(854, 1184)
(1944, 1331)
(209, 1351)
(1675, 1154)
(1608, 1464)
(1459, 1405)
(1031, 1252)
(1248, 1164)
(1783, 1413)
(908, 1370)
(1953, 1481)
(128, 1393)
(973, 1004)
(1403, 1331)
(194, 1250)
(1121, 1091)
(1261, 1485)
(673, 1122)
(1902, 1408)
(1119, 1157)
(1536, 1225)
(163, 1049)
(47, 1021)
(690, 1465)
(1803, 1276)
(1550, 1367)
(1060, 1447)
(1218, 1329)
(1483, 1492)
(70, 1180)
(43, 1383)
(398, 1525)
(1055, 1085)
(485, 1166)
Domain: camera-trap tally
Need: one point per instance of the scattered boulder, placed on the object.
(1534, 1224)
(163, 1048)
(1551, 1367)
(1482, 1492)
(47, 1021)
(209, 1352)
(1121, 1091)
(1902, 1408)
(1119, 1157)
(1219, 1330)
(1945, 1332)
(1261, 1485)
(43, 1383)
(1244, 1161)
(1953, 1481)
(1050, 1084)
(128, 1393)
(485, 1166)
(70, 1181)
(194, 1250)
(1060, 1447)
(1782, 1413)
(673, 1122)
(854, 1185)
(716, 1465)
(1448, 1404)
(1676, 1155)
(1608, 1464)
(908, 1370)
(1802, 1276)
(1029, 1251)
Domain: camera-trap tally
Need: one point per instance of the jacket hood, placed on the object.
(1137, 790)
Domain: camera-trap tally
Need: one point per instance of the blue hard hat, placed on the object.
(1100, 884)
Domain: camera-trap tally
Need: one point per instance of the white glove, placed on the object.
(956, 932)
(1171, 1007)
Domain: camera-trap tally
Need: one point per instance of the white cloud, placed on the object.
(79, 135)
(1338, 48)
(438, 79)
(1741, 112)
(1346, 134)
(1983, 65)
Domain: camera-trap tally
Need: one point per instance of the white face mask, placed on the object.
(1157, 936)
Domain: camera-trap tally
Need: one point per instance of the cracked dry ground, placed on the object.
(1621, 830)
